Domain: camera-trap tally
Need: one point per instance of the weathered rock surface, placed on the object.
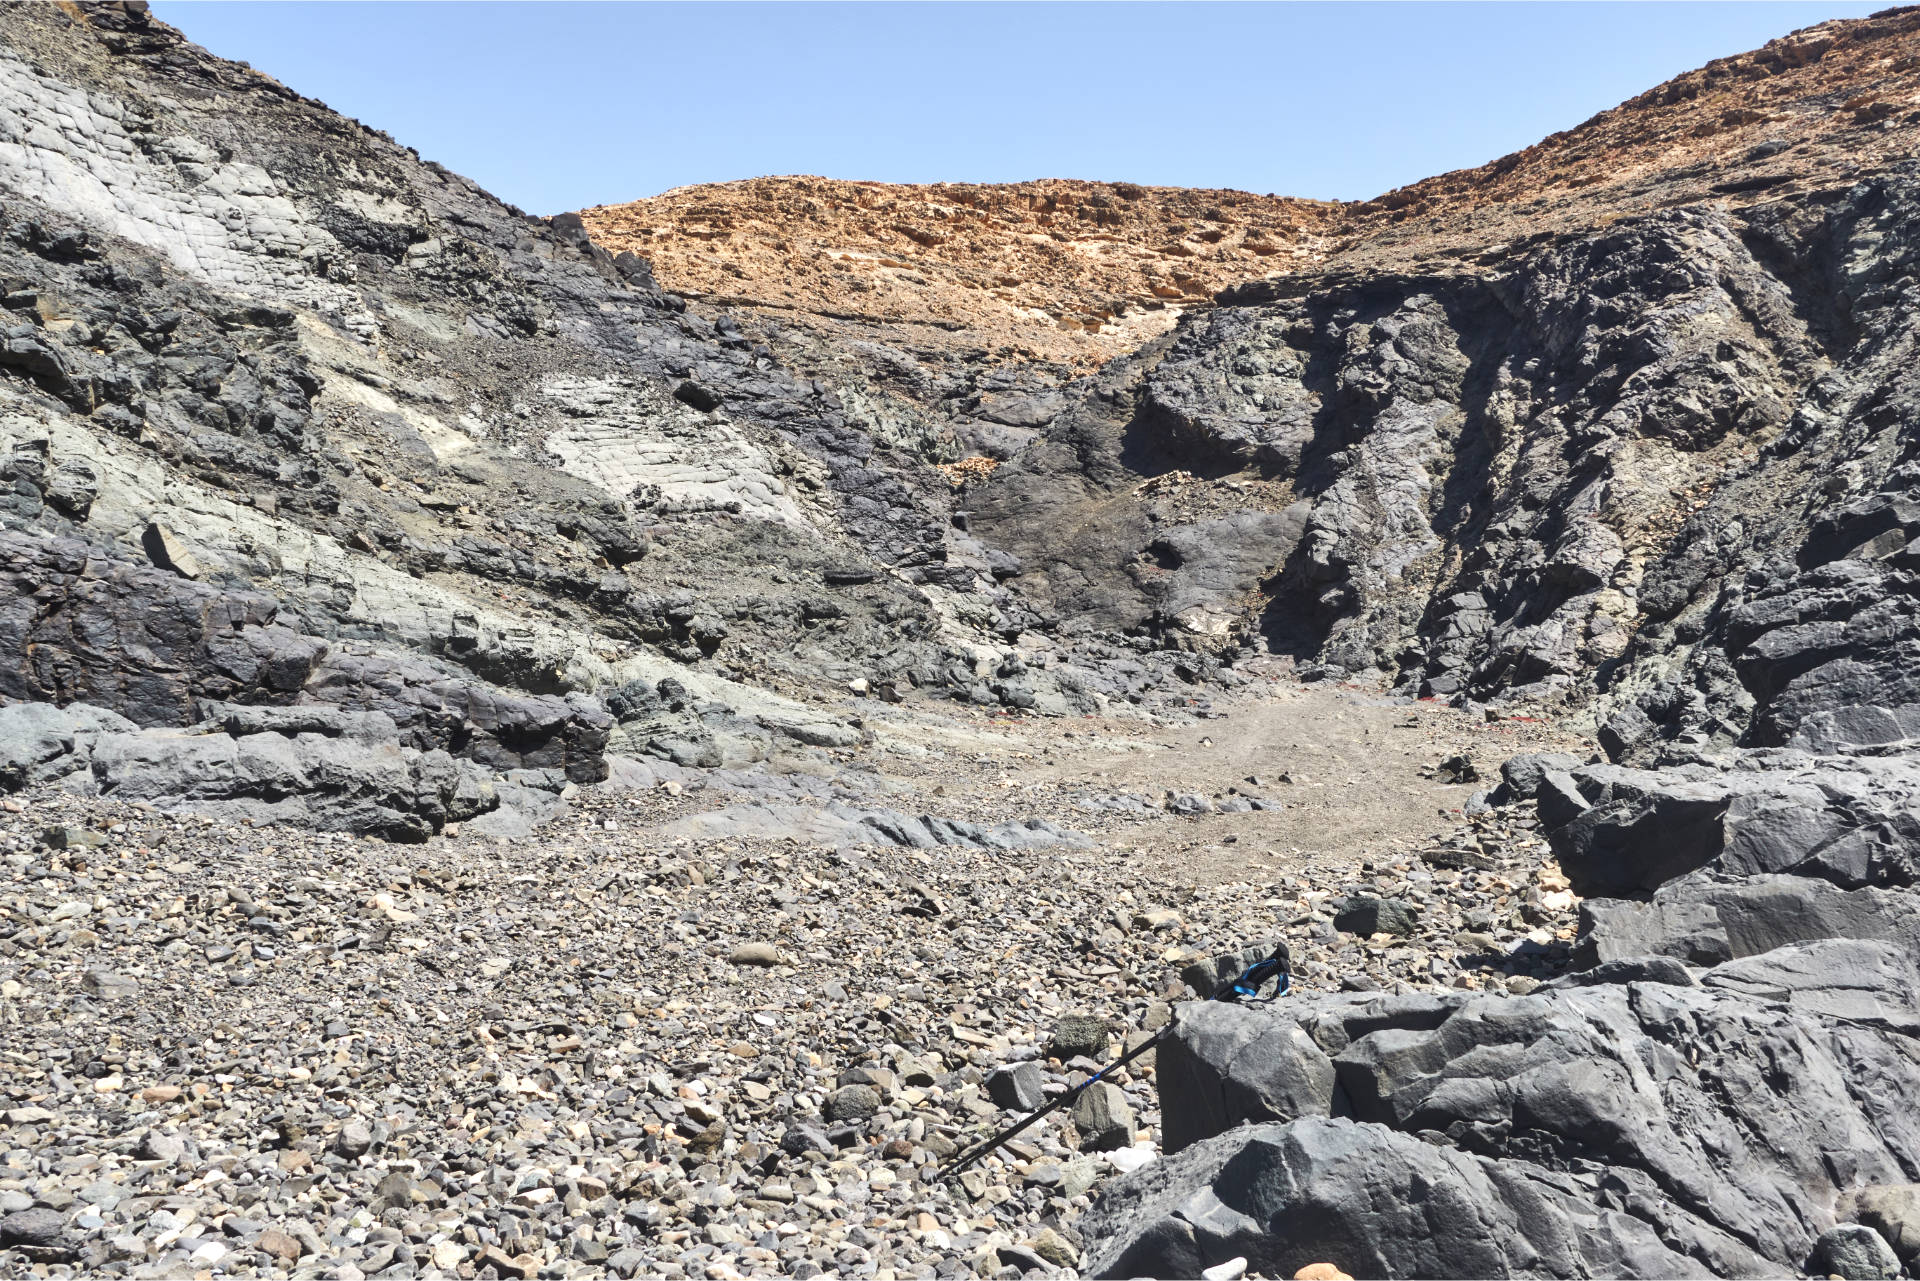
(1852, 822)
(316, 768)
(289, 417)
(1726, 1122)
(335, 493)
(1382, 1202)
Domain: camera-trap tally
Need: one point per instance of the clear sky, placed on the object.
(557, 106)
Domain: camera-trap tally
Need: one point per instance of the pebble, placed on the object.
(603, 1064)
(762, 954)
(1321, 1272)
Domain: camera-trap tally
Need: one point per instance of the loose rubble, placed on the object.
(510, 770)
(607, 1047)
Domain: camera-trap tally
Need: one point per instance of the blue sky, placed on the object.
(561, 105)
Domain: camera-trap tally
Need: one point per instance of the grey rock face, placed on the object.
(236, 467)
(318, 768)
(77, 626)
(1383, 1202)
(1892, 1211)
(1853, 822)
(1407, 412)
(1703, 921)
(1654, 1090)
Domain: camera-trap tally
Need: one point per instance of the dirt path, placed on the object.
(1353, 771)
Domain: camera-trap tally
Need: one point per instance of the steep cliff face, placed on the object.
(1074, 272)
(1523, 430)
(1576, 468)
(290, 417)
(1667, 463)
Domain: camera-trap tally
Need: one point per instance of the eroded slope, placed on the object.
(1055, 269)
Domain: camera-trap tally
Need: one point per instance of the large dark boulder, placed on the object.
(1848, 820)
(1649, 1127)
(1376, 1203)
(1224, 1070)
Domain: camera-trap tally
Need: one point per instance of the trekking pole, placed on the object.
(1243, 988)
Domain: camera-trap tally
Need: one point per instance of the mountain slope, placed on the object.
(1077, 272)
(796, 708)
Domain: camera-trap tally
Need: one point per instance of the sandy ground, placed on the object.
(1353, 768)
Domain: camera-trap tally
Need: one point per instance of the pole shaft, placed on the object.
(974, 1154)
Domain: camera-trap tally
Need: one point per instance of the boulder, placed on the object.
(1103, 1117)
(1722, 1116)
(1384, 1203)
(1225, 1070)
(1016, 1086)
(1893, 1211)
(1520, 777)
(1849, 820)
(1854, 1252)
(1210, 974)
(36, 1227)
(1079, 1036)
(1367, 915)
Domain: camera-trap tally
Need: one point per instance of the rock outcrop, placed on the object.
(289, 417)
(1716, 1089)
(1659, 1122)
(336, 493)
(1053, 270)
(309, 767)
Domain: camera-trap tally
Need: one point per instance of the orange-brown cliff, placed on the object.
(1083, 271)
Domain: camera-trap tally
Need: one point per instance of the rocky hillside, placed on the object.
(1549, 473)
(1074, 272)
(790, 621)
(297, 419)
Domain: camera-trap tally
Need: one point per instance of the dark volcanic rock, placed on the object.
(1367, 915)
(1642, 1101)
(79, 626)
(1851, 821)
(1381, 1202)
(317, 768)
(433, 708)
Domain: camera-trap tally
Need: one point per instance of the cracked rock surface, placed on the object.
(513, 770)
